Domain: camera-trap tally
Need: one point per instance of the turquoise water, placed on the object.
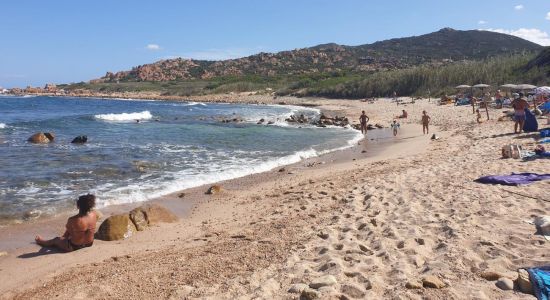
(175, 145)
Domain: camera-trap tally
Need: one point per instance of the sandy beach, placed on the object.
(368, 222)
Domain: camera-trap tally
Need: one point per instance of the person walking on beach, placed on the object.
(519, 104)
(394, 126)
(80, 228)
(363, 119)
(425, 122)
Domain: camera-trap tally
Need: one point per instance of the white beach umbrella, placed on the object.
(525, 87)
(463, 86)
(543, 90)
(509, 86)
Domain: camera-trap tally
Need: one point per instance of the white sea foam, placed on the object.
(144, 115)
(190, 178)
(2, 125)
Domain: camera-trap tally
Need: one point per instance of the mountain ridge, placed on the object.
(436, 48)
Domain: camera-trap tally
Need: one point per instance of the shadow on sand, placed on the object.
(42, 251)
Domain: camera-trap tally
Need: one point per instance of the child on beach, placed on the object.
(425, 122)
(394, 127)
(478, 116)
(80, 228)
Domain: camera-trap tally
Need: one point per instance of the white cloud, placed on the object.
(482, 22)
(152, 47)
(548, 16)
(518, 7)
(531, 34)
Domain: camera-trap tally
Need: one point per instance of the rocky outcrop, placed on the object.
(124, 225)
(42, 138)
(116, 227)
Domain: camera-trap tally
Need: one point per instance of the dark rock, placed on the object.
(81, 139)
(215, 189)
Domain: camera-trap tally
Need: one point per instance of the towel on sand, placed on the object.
(540, 277)
(513, 179)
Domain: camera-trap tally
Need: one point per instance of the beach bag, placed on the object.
(511, 151)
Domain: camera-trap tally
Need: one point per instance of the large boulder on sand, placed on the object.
(116, 227)
(215, 189)
(149, 214)
(42, 138)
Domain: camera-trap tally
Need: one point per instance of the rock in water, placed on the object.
(505, 284)
(116, 227)
(326, 280)
(215, 189)
(432, 282)
(50, 136)
(81, 139)
(523, 281)
(41, 138)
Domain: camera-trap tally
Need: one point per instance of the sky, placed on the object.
(70, 41)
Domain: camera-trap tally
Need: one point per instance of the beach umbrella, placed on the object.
(483, 86)
(463, 86)
(525, 87)
(543, 90)
(509, 86)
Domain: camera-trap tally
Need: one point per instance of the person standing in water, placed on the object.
(425, 122)
(363, 119)
(394, 126)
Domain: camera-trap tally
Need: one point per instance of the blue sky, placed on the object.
(71, 41)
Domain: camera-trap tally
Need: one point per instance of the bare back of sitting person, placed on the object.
(80, 228)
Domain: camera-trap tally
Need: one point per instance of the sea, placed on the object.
(138, 150)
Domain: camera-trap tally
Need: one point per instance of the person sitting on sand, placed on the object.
(364, 119)
(425, 122)
(478, 117)
(80, 228)
(519, 104)
(394, 127)
(404, 115)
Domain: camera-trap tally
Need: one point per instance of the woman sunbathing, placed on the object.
(80, 228)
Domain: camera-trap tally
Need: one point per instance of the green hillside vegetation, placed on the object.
(415, 81)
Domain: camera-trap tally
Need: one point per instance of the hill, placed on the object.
(435, 49)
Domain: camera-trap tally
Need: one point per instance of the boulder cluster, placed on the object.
(49, 137)
(123, 226)
(301, 119)
(325, 121)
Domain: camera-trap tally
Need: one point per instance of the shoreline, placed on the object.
(44, 219)
(195, 202)
(24, 230)
(375, 224)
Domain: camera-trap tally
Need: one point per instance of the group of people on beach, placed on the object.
(364, 119)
